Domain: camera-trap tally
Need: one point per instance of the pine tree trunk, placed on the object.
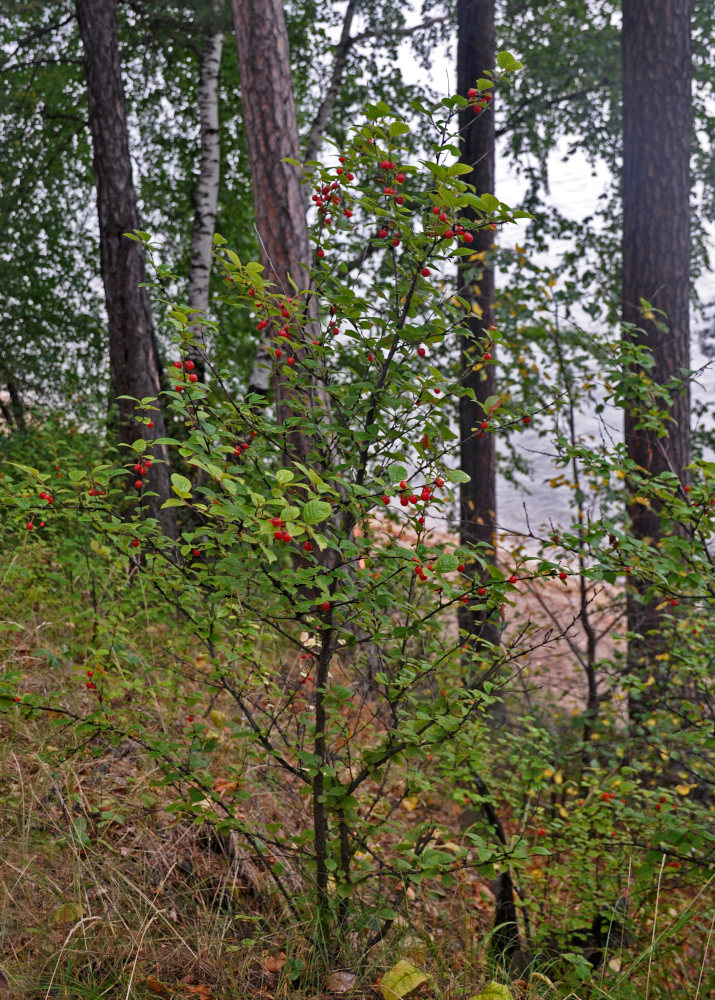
(206, 195)
(478, 501)
(272, 135)
(657, 71)
(133, 353)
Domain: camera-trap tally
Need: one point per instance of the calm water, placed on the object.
(574, 192)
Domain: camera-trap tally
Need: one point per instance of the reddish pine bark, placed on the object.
(271, 136)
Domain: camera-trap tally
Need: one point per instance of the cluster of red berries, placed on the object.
(480, 102)
(94, 492)
(186, 366)
(279, 534)
(141, 469)
(47, 497)
(389, 168)
(449, 230)
(90, 685)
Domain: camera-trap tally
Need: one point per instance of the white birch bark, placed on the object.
(206, 195)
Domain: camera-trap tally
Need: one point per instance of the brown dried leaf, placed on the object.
(274, 963)
(341, 982)
(158, 988)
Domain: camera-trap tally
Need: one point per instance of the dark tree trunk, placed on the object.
(476, 50)
(657, 71)
(272, 135)
(475, 54)
(133, 353)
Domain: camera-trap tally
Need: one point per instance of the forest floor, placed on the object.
(105, 892)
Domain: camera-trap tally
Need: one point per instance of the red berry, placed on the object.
(278, 535)
(307, 546)
(400, 178)
(526, 419)
(150, 424)
(396, 242)
(382, 234)
(674, 602)
(421, 351)
(541, 832)
(404, 501)
(425, 272)
(195, 553)
(177, 364)
(448, 234)
(276, 522)
(481, 591)
(325, 605)
(321, 254)
(487, 356)
(287, 537)
(399, 200)
(512, 579)
(461, 568)
(193, 377)
(189, 365)
(472, 92)
(29, 525)
(135, 543)
(138, 484)
(290, 361)
(563, 576)
(439, 481)
(386, 500)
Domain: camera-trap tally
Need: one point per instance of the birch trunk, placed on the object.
(206, 195)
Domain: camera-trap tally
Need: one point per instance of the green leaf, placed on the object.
(457, 476)
(398, 128)
(396, 472)
(402, 981)
(284, 476)
(447, 563)
(316, 511)
(180, 485)
(459, 168)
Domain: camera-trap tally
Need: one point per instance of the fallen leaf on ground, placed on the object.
(494, 991)
(402, 981)
(341, 982)
(158, 988)
(67, 913)
(274, 963)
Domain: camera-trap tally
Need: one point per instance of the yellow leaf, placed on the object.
(410, 804)
(219, 719)
(494, 991)
(402, 981)
(67, 913)
(683, 789)
(548, 773)
(476, 308)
